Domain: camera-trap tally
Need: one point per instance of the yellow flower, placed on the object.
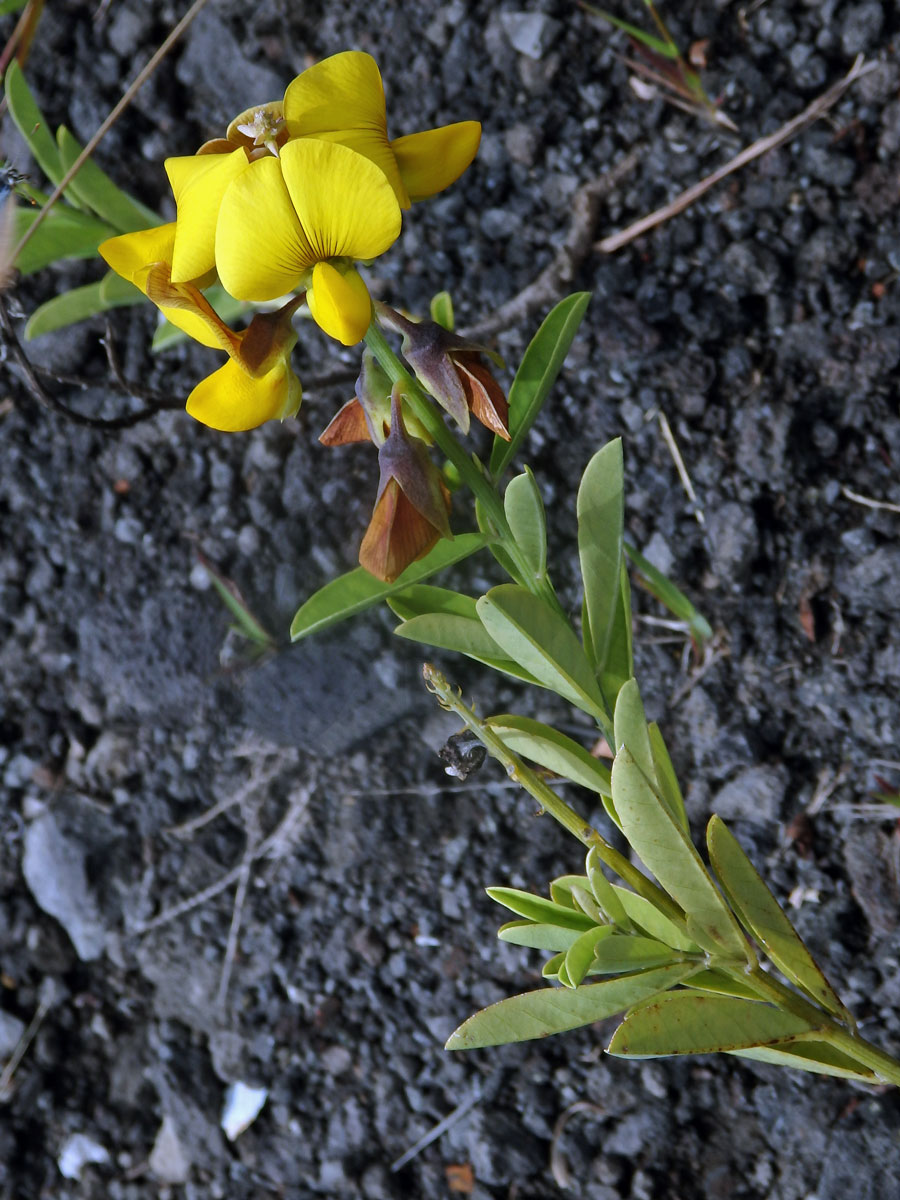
(275, 224)
(341, 99)
(257, 383)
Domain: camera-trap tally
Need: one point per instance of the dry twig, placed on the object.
(812, 112)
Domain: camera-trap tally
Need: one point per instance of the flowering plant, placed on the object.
(281, 211)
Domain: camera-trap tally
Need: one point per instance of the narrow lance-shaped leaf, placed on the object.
(630, 728)
(551, 749)
(30, 122)
(605, 893)
(619, 665)
(655, 923)
(665, 775)
(600, 510)
(96, 191)
(524, 510)
(536, 908)
(358, 590)
(764, 918)
(536, 375)
(817, 1057)
(64, 233)
(555, 1010)
(621, 952)
(689, 1022)
(538, 935)
(448, 631)
(665, 591)
(542, 642)
(580, 954)
(666, 850)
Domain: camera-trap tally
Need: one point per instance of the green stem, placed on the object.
(825, 1027)
(471, 470)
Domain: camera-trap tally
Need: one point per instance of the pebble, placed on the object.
(529, 33)
(53, 866)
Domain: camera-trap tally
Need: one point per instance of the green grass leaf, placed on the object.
(358, 590)
(555, 1010)
(536, 375)
(30, 122)
(78, 304)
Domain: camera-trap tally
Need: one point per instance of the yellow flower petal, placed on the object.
(433, 159)
(342, 200)
(130, 254)
(199, 182)
(341, 99)
(261, 249)
(233, 401)
(340, 303)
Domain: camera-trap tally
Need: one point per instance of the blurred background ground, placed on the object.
(764, 323)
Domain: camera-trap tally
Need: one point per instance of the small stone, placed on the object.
(756, 794)
(529, 33)
(11, 1030)
(861, 27)
(77, 1152)
(243, 1105)
(168, 1161)
(53, 867)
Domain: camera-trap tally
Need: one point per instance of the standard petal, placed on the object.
(131, 254)
(341, 99)
(433, 159)
(261, 249)
(340, 303)
(199, 183)
(231, 400)
(344, 203)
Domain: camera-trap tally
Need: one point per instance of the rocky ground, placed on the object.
(763, 323)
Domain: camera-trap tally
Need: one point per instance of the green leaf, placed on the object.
(605, 894)
(538, 935)
(77, 305)
(358, 590)
(619, 665)
(666, 49)
(655, 924)
(541, 641)
(562, 888)
(30, 122)
(462, 636)
(664, 847)
(64, 233)
(630, 729)
(555, 968)
(580, 954)
(11, 6)
(666, 778)
(549, 748)
(690, 1022)
(724, 985)
(524, 510)
(442, 310)
(116, 291)
(94, 189)
(536, 375)
(539, 910)
(622, 952)
(818, 1057)
(600, 510)
(764, 918)
(555, 1010)
(495, 544)
(586, 902)
(422, 599)
(665, 591)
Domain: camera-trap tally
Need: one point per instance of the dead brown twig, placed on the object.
(812, 112)
(129, 94)
(559, 273)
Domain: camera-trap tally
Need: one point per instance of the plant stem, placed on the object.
(471, 470)
(825, 1027)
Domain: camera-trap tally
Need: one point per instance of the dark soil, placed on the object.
(764, 323)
